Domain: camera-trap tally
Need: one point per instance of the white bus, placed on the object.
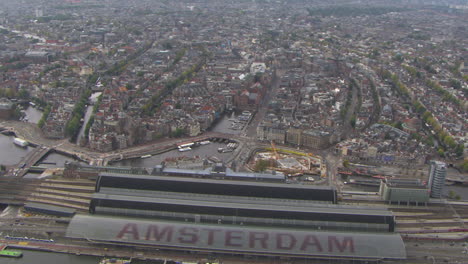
(187, 145)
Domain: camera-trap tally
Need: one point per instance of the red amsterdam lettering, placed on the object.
(262, 237)
(311, 240)
(157, 233)
(285, 241)
(188, 235)
(347, 242)
(211, 233)
(233, 235)
(129, 230)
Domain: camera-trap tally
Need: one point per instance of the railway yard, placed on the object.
(439, 228)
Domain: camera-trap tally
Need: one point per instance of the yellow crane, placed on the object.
(274, 149)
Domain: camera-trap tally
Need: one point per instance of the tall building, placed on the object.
(437, 178)
(39, 12)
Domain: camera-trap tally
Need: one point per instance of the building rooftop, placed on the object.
(237, 239)
(217, 201)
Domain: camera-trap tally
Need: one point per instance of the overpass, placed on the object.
(28, 161)
(463, 179)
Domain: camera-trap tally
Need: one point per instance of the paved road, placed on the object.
(251, 130)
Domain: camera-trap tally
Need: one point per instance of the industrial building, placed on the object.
(404, 191)
(6, 108)
(235, 217)
(219, 171)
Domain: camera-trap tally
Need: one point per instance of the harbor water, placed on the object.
(39, 257)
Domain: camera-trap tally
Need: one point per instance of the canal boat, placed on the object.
(115, 261)
(20, 142)
(9, 253)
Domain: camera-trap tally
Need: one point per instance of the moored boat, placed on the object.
(115, 261)
(20, 142)
(9, 253)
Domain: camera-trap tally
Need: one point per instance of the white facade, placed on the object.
(437, 178)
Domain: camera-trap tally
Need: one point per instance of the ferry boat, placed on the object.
(20, 142)
(29, 239)
(9, 253)
(115, 261)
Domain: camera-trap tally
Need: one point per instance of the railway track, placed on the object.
(74, 194)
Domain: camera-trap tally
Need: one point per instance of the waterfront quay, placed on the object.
(32, 134)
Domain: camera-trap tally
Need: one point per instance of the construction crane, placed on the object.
(274, 149)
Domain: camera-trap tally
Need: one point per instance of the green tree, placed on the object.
(441, 152)
(178, 132)
(464, 166)
(353, 121)
(23, 94)
(459, 150)
(261, 165)
(88, 126)
(448, 141)
(45, 114)
(73, 126)
(346, 163)
(451, 194)
(455, 84)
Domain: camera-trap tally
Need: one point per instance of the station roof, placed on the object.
(406, 183)
(230, 182)
(216, 203)
(237, 239)
(230, 198)
(50, 208)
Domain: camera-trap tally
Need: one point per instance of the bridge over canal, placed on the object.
(28, 161)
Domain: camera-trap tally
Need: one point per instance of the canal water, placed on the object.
(11, 154)
(89, 112)
(39, 257)
(33, 114)
(224, 125)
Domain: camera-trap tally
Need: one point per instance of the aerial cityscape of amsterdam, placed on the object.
(222, 131)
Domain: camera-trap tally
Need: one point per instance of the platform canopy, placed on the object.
(237, 238)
